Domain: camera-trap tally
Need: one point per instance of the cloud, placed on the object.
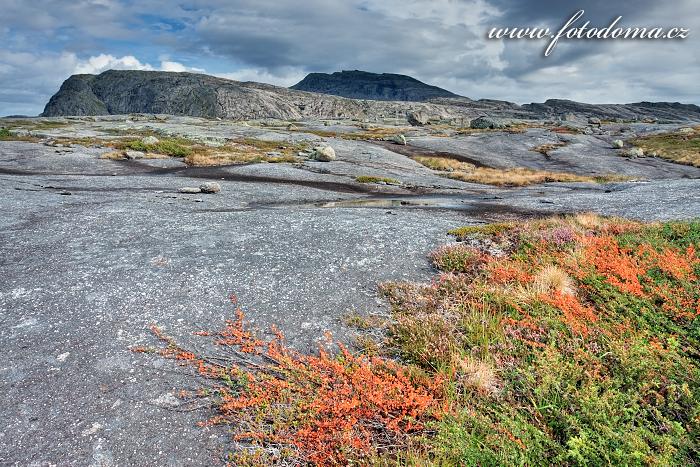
(441, 42)
(103, 62)
(281, 77)
(28, 80)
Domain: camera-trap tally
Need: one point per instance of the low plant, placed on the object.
(466, 172)
(371, 179)
(578, 345)
(681, 146)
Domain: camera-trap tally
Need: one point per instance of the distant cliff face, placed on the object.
(373, 86)
(121, 92)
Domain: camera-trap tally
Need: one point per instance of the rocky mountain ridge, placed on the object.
(374, 86)
(199, 95)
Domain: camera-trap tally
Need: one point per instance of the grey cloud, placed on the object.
(438, 41)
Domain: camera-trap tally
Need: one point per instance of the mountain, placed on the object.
(373, 86)
(198, 95)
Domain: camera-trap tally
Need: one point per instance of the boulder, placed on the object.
(133, 154)
(618, 144)
(210, 187)
(417, 118)
(594, 121)
(634, 152)
(323, 154)
(686, 131)
(150, 140)
(292, 127)
(398, 139)
(189, 190)
(485, 123)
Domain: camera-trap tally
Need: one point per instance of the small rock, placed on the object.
(570, 117)
(189, 190)
(274, 154)
(134, 154)
(292, 127)
(303, 154)
(417, 118)
(150, 140)
(634, 152)
(210, 187)
(399, 139)
(686, 131)
(323, 154)
(594, 121)
(618, 144)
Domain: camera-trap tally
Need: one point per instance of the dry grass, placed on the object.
(245, 151)
(370, 134)
(683, 148)
(478, 375)
(553, 279)
(545, 149)
(515, 128)
(466, 172)
(516, 177)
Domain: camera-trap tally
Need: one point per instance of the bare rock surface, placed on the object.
(93, 251)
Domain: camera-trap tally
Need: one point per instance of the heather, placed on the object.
(569, 340)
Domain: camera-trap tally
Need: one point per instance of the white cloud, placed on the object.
(286, 77)
(167, 65)
(103, 62)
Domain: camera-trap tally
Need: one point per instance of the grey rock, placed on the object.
(134, 154)
(399, 139)
(594, 121)
(323, 154)
(686, 131)
(483, 123)
(634, 152)
(210, 187)
(150, 140)
(417, 118)
(618, 144)
(189, 190)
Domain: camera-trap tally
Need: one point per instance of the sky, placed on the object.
(441, 42)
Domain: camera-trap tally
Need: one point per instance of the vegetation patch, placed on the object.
(458, 170)
(240, 151)
(545, 149)
(371, 179)
(288, 407)
(7, 135)
(579, 346)
(173, 147)
(487, 230)
(682, 147)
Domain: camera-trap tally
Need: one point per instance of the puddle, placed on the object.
(395, 203)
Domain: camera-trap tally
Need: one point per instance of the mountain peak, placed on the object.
(356, 84)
